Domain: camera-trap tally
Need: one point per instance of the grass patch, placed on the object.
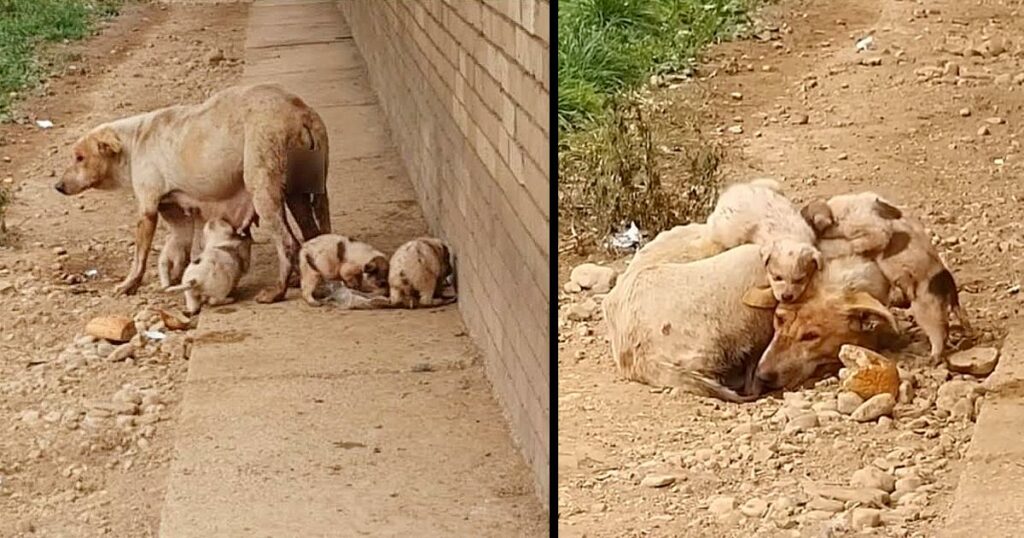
(25, 25)
(611, 165)
(609, 46)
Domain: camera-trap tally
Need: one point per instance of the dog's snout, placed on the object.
(59, 186)
(787, 297)
(768, 379)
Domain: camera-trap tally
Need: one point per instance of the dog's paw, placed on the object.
(272, 294)
(128, 287)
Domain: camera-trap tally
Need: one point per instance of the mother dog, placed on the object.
(240, 147)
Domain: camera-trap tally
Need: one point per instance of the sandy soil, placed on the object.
(68, 466)
(929, 117)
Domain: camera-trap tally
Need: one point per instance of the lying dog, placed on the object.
(213, 276)
(336, 257)
(758, 213)
(419, 269)
(258, 140)
(904, 253)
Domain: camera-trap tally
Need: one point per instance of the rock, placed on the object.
(736, 96)
(799, 119)
(873, 478)
(962, 410)
(951, 69)
(215, 57)
(978, 361)
(869, 373)
(735, 129)
(598, 507)
(865, 496)
(722, 505)
(83, 341)
(747, 428)
(582, 311)
(993, 47)
(984, 131)
(909, 483)
(826, 505)
(865, 518)
(802, 422)
(30, 416)
(754, 508)
(876, 406)
(965, 112)
(1003, 79)
(951, 392)
(906, 395)
(112, 408)
(1018, 78)
(848, 402)
(873, 61)
(572, 287)
(829, 405)
(657, 480)
(591, 276)
(122, 352)
(995, 120)
(175, 320)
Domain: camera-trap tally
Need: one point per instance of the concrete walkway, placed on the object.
(989, 499)
(308, 422)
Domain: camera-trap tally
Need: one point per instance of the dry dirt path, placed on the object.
(66, 469)
(929, 117)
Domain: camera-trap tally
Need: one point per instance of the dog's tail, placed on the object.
(187, 285)
(660, 373)
(767, 183)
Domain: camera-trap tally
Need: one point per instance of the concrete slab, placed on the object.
(385, 455)
(989, 495)
(308, 422)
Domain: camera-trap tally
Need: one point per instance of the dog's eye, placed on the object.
(808, 337)
(777, 278)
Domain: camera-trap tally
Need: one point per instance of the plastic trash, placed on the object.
(630, 238)
(155, 335)
(348, 299)
(91, 273)
(865, 43)
(44, 124)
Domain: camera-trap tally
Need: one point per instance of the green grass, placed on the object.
(25, 25)
(606, 47)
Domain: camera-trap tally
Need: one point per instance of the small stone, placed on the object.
(951, 69)
(848, 402)
(953, 391)
(909, 483)
(591, 276)
(984, 131)
(978, 361)
(582, 311)
(874, 478)
(598, 507)
(965, 112)
(735, 129)
(30, 416)
(906, 392)
(826, 505)
(1018, 78)
(736, 96)
(802, 422)
(884, 424)
(996, 120)
(873, 61)
(722, 505)
(215, 57)
(1003, 79)
(878, 405)
(754, 508)
(799, 119)
(572, 287)
(962, 410)
(104, 349)
(122, 352)
(658, 480)
(865, 518)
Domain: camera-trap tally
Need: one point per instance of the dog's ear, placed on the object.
(759, 297)
(818, 215)
(887, 211)
(341, 250)
(867, 314)
(107, 141)
(766, 252)
(377, 267)
(819, 262)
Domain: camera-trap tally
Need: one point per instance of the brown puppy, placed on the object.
(245, 139)
(418, 272)
(336, 257)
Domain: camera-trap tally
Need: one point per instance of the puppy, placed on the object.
(336, 257)
(211, 277)
(419, 269)
(758, 213)
(919, 279)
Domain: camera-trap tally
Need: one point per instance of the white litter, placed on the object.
(630, 238)
(155, 335)
(865, 43)
(44, 124)
(91, 272)
(348, 299)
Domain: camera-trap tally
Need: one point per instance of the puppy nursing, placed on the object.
(757, 212)
(212, 277)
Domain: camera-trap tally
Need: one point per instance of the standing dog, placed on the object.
(336, 257)
(419, 269)
(904, 253)
(212, 277)
(758, 213)
(258, 140)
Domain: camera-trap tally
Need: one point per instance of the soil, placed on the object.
(67, 467)
(929, 117)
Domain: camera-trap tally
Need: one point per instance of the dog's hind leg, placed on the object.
(264, 174)
(301, 208)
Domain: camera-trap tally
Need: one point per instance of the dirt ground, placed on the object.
(68, 466)
(928, 117)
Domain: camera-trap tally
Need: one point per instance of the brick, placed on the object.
(528, 15)
(533, 140)
(542, 22)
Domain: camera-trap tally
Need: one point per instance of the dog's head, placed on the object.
(375, 275)
(790, 265)
(818, 215)
(217, 230)
(95, 163)
(808, 336)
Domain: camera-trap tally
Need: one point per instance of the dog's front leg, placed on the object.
(144, 230)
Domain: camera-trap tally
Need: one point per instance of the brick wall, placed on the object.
(465, 87)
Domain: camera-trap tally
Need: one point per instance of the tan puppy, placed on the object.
(258, 140)
(336, 257)
(909, 261)
(758, 213)
(419, 269)
(212, 277)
